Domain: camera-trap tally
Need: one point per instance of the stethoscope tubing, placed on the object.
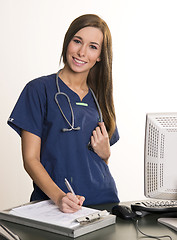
(71, 125)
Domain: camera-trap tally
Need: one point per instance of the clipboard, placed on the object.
(81, 225)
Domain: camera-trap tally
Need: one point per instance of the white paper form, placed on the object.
(46, 211)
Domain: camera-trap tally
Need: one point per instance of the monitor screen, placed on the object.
(160, 156)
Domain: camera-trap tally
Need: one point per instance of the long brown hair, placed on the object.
(100, 76)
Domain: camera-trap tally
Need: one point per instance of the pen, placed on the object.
(8, 233)
(69, 186)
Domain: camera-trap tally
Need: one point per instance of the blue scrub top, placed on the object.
(65, 154)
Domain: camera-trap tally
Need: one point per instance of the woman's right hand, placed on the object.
(70, 203)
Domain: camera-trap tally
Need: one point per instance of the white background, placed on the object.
(144, 74)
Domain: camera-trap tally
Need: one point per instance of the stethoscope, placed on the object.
(71, 125)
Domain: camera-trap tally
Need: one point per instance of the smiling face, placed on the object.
(84, 49)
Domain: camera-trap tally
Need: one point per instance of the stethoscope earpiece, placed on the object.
(66, 129)
(77, 128)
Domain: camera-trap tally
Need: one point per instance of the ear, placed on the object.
(98, 59)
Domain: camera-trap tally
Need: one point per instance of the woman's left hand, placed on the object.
(100, 142)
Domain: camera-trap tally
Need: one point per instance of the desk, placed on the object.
(122, 230)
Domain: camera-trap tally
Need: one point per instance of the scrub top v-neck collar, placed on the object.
(72, 94)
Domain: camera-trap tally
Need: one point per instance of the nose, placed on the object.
(82, 51)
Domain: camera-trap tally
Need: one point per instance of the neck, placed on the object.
(76, 81)
(73, 79)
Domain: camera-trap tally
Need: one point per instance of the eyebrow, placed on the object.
(90, 42)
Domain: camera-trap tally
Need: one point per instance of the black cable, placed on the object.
(147, 235)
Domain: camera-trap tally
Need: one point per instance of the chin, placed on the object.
(79, 70)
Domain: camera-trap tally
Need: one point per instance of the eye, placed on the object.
(76, 40)
(93, 47)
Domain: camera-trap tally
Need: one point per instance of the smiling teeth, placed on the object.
(78, 61)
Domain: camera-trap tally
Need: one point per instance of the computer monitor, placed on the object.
(160, 160)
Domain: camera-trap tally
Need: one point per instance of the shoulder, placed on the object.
(40, 87)
(42, 82)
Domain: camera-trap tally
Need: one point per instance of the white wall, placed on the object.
(144, 71)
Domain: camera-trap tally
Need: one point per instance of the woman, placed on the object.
(60, 123)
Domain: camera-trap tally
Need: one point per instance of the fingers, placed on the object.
(71, 203)
(96, 136)
(81, 200)
(100, 142)
(100, 134)
(103, 128)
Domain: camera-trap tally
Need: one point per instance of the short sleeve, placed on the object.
(115, 137)
(29, 111)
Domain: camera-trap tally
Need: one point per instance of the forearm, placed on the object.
(31, 146)
(42, 179)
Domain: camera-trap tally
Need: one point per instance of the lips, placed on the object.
(78, 61)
